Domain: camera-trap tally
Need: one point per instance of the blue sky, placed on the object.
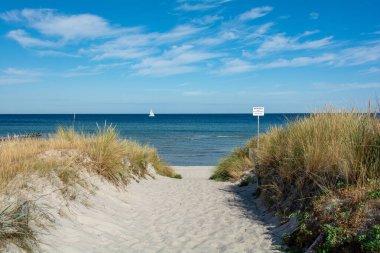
(187, 56)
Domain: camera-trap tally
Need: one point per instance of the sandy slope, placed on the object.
(163, 215)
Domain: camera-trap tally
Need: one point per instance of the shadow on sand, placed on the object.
(254, 209)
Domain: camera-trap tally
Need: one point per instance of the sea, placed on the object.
(181, 139)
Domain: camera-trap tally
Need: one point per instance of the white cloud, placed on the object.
(19, 76)
(373, 70)
(314, 15)
(359, 55)
(185, 48)
(25, 40)
(183, 84)
(129, 53)
(200, 5)
(220, 38)
(195, 7)
(22, 72)
(13, 80)
(66, 27)
(346, 57)
(55, 53)
(91, 70)
(233, 66)
(177, 60)
(255, 13)
(139, 45)
(206, 20)
(209, 41)
(260, 30)
(298, 62)
(178, 33)
(280, 42)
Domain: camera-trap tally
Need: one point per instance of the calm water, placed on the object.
(187, 139)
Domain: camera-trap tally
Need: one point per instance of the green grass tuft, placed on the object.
(233, 166)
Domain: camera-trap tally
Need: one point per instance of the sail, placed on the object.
(151, 114)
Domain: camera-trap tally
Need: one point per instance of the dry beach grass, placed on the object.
(85, 193)
(325, 169)
(64, 162)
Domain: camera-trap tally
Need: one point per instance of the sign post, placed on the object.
(258, 111)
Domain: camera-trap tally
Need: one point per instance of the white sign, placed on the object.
(258, 111)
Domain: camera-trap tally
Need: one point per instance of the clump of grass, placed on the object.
(177, 176)
(345, 217)
(370, 241)
(314, 164)
(315, 154)
(66, 155)
(232, 167)
(106, 150)
(160, 166)
(14, 226)
(246, 181)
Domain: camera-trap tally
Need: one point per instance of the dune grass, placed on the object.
(322, 168)
(66, 154)
(232, 167)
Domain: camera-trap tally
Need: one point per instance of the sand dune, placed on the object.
(163, 215)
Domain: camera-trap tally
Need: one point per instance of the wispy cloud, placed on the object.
(25, 40)
(183, 84)
(66, 27)
(372, 70)
(220, 38)
(19, 76)
(314, 15)
(206, 20)
(255, 13)
(231, 46)
(178, 60)
(360, 54)
(55, 53)
(90, 70)
(260, 30)
(233, 66)
(117, 53)
(199, 5)
(298, 62)
(345, 57)
(22, 72)
(4, 80)
(139, 45)
(178, 33)
(281, 42)
(346, 86)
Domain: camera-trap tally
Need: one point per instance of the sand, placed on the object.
(193, 214)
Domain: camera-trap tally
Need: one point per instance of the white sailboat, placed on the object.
(151, 114)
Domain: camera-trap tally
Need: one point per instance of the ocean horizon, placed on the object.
(181, 139)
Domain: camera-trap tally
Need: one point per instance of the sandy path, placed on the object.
(164, 215)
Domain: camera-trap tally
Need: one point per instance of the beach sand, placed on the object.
(193, 214)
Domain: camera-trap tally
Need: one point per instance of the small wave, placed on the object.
(230, 136)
